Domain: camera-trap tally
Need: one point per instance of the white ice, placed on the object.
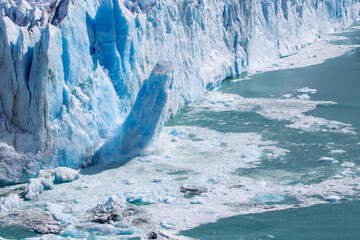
(289, 111)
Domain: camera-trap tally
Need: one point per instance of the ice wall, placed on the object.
(71, 70)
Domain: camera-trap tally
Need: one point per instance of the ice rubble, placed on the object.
(72, 70)
(287, 110)
(35, 220)
(191, 187)
(10, 202)
(46, 180)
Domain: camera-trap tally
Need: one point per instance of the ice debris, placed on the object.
(303, 97)
(109, 211)
(286, 96)
(333, 198)
(306, 90)
(337, 151)
(13, 201)
(46, 180)
(191, 191)
(285, 110)
(35, 220)
(327, 159)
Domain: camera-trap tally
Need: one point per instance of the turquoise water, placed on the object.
(16, 232)
(329, 221)
(335, 80)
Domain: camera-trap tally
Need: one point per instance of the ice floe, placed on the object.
(306, 90)
(290, 111)
(197, 181)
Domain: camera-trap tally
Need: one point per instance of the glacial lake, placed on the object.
(336, 80)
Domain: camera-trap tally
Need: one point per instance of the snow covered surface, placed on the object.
(71, 70)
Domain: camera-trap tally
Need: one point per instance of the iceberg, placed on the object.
(46, 180)
(89, 81)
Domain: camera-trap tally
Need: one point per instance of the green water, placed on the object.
(329, 221)
(336, 80)
(15, 232)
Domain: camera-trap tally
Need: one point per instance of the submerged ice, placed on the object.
(73, 73)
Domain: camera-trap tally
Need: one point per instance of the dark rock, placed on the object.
(191, 191)
(152, 235)
(36, 221)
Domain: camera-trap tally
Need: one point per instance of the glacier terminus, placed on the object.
(179, 119)
(83, 81)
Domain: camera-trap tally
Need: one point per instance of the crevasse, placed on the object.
(80, 78)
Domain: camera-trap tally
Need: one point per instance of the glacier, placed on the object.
(87, 81)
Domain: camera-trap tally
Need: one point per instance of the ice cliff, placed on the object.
(80, 78)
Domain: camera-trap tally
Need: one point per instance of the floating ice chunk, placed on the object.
(303, 97)
(167, 225)
(180, 133)
(333, 198)
(34, 188)
(57, 212)
(287, 96)
(348, 173)
(348, 164)
(46, 180)
(60, 174)
(306, 90)
(337, 151)
(326, 159)
(110, 211)
(63, 174)
(10, 202)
